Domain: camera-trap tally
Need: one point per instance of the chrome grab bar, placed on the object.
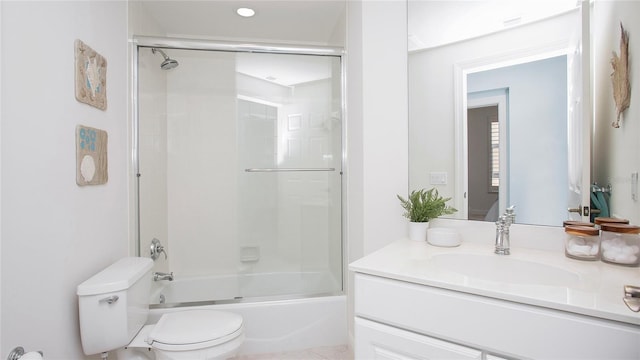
(287, 169)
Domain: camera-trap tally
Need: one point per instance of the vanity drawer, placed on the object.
(497, 326)
(379, 341)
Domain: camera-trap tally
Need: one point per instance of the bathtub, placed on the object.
(273, 323)
(237, 286)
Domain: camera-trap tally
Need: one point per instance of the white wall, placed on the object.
(616, 152)
(54, 233)
(384, 122)
(377, 144)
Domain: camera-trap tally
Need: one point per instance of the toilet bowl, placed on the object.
(188, 335)
(114, 307)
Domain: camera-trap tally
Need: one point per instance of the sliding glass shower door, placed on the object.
(240, 163)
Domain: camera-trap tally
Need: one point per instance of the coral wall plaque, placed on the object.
(620, 77)
(91, 76)
(91, 156)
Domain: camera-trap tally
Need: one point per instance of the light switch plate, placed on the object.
(438, 178)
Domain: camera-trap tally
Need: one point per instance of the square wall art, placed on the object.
(91, 156)
(91, 76)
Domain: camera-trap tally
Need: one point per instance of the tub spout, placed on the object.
(162, 276)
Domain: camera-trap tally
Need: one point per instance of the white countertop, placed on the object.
(590, 288)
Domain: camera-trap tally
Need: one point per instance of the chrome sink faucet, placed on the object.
(502, 231)
(157, 276)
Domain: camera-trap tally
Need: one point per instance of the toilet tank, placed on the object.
(114, 304)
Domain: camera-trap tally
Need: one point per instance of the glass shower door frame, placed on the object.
(187, 44)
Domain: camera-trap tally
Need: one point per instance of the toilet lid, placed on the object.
(193, 327)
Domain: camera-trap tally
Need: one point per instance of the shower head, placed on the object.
(168, 63)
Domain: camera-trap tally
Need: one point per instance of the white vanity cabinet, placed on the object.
(397, 319)
(413, 300)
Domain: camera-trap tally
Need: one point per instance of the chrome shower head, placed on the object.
(168, 63)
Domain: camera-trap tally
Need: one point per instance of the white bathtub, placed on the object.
(270, 325)
(228, 287)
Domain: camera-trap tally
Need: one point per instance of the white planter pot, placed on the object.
(418, 231)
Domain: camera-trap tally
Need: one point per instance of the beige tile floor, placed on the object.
(341, 352)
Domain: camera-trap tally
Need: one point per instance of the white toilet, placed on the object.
(114, 306)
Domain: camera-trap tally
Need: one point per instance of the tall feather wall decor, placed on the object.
(620, 77)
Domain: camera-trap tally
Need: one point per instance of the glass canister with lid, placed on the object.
(609, 220)
(620, 244)
(577, 223)
(582, 242)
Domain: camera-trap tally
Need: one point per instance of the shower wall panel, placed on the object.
(201, 160)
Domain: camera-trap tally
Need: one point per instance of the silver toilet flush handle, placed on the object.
(156, 249)
(18, 352)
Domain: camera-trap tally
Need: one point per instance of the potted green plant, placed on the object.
(420, 207)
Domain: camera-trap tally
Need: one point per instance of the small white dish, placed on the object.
(444, 237)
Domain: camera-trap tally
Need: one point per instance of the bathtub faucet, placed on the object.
(162, 276)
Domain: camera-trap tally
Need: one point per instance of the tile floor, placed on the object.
(341, 352)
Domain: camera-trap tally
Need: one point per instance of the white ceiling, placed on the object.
(305, 22)
(322, 22)
(310, 22)
(434, 23)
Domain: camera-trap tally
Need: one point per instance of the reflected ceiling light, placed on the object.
(245, 12)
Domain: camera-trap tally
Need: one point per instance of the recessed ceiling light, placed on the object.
(245, 12)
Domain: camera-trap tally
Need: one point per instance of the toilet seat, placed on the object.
(194, 329)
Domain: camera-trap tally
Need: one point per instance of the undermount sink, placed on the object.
(503, 269)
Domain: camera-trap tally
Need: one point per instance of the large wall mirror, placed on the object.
(497, 115)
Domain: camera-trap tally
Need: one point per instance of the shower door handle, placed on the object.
(287, 169)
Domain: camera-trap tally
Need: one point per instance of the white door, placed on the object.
(500, 101)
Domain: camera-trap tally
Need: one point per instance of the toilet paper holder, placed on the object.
(17, 353)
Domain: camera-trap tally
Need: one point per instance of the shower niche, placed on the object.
(239, 170)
